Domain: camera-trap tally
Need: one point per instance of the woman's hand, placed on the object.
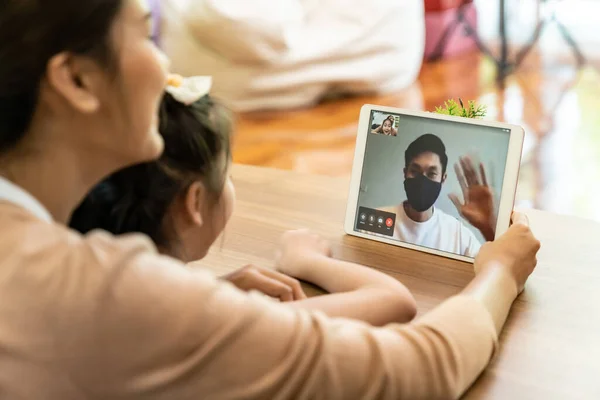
(298, 250)
(515, 252)
(267, 281)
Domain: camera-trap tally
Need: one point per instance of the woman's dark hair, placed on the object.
(138, 198)
(427, 143)
(31, 33)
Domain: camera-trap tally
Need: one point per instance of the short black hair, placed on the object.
(427, 143)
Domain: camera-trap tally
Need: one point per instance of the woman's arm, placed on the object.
(356, 292)
(200, 330)
(502, 268)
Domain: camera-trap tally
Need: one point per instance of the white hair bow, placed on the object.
(188, 90)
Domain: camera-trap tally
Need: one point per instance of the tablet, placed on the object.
(434, 183)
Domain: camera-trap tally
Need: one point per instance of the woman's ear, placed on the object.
(74, 78)
(194, 203)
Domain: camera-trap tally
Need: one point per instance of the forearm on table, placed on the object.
(438, 356)
(357, 292)
(336, 276)
(376, 306)
(435, 357)
(496, 291)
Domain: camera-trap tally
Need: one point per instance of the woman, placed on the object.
(100, 317)
(387, 127)
(175, 201)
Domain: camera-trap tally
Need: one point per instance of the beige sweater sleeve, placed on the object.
(159, 330)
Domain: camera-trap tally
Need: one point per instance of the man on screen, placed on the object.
(419, 222)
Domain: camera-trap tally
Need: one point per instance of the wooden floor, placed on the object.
(557, 103)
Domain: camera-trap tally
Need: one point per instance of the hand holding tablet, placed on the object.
(422, 185)
(515, 253)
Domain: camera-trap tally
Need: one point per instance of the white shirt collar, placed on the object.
(408, 222)
(16, 195)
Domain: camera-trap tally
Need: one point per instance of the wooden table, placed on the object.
(550, 348)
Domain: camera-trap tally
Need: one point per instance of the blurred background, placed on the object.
(296, 73)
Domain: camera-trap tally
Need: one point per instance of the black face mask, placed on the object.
(422, 192)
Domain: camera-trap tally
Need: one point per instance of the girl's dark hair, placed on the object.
(31, 33)
(138, 198)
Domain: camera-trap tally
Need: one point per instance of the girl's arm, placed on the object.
(198, 332)
(356, 292)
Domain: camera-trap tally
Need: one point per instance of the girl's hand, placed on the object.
(298, 250)
(267, 281)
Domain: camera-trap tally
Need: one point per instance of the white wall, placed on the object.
(383, 178)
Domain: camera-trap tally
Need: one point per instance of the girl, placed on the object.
(101, 317)
(183, 201)
(387, 127)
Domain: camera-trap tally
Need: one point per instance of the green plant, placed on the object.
(451, 107)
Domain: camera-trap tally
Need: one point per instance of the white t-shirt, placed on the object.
(442, 232)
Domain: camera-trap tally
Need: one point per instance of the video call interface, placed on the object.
(431, 183)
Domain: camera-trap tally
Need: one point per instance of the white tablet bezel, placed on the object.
(509, 185)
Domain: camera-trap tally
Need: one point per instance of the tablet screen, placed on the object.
(431, 183)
